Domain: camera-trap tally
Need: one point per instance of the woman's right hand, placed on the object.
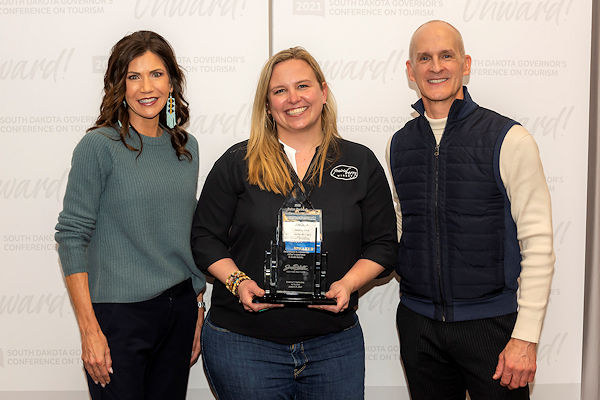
(94, 346)
(247, 290)
(95, 354)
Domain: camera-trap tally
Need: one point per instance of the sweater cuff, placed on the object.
(72, 259)
(199, 283)
(527, 328)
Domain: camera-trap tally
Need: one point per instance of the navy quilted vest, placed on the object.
(458, 255)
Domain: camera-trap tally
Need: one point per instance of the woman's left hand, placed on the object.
(340, 291)
(196, 348)
(361, 272)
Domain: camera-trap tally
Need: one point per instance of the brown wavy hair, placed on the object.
(267, 165)
(113, 110)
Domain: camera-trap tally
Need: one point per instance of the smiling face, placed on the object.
(147, 88)
(296, 98)
(437, 65)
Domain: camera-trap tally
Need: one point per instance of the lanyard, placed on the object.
(298, 197)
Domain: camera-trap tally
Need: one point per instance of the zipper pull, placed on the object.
(436, 152)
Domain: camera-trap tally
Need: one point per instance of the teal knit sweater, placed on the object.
(126, 220)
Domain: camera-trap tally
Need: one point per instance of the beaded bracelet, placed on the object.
(233, 281)
(230, 280)
(236, 285)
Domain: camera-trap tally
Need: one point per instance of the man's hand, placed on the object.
(516, 364)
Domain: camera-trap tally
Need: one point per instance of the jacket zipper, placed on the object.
(438, 262)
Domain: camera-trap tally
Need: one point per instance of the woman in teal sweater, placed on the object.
(124, 229)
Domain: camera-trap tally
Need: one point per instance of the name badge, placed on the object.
(301, 230)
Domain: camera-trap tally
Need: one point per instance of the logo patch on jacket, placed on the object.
(344, 172)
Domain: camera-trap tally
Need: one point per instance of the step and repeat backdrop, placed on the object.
(531, 61)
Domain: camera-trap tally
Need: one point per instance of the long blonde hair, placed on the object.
(267, 167)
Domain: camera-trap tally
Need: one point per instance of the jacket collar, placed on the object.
(460, 108)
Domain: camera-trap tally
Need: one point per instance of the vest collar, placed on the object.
(460, 107)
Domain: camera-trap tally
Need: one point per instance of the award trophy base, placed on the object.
(291, 300)
(294, 278)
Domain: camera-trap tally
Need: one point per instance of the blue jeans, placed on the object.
(240, 367)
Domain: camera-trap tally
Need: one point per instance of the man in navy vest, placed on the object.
(474, 222)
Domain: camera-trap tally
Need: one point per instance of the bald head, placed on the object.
(436, 28)
(437, 65)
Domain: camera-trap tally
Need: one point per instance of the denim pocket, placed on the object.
(354, 325)
(208, 323)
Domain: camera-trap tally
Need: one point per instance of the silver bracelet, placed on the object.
(202, 304)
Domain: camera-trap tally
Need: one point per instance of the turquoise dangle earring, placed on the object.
(171, 117)
(119, 122)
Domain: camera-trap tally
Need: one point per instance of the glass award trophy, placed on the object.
(295, 268)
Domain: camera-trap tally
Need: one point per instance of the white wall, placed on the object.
(530, 62)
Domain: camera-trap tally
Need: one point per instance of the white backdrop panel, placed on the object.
(52, 60)
(528, 56)
(530, 62)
